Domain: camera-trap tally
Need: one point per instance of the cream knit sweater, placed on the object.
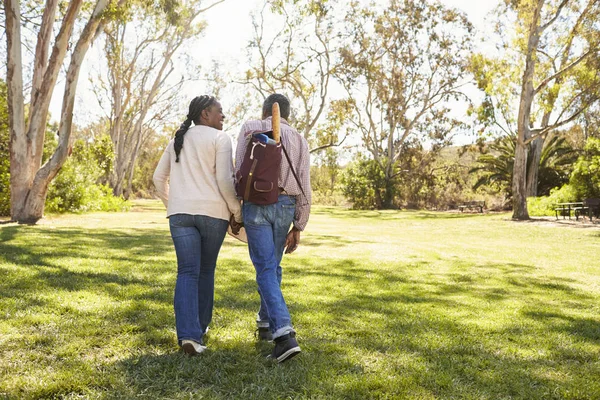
(202, 182)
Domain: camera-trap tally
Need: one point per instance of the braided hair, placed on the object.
(197, 105)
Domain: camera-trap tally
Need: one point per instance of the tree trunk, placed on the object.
(28, 184)
(388, 195)
(536, 147)
(519, 184)
(19, 165)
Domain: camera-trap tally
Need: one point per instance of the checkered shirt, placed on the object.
(297, 149)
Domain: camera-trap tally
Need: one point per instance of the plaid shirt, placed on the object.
(297, 148)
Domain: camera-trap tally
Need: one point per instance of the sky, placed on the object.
(236, 13)
(224, 40)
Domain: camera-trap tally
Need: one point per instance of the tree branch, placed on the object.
(561, 72)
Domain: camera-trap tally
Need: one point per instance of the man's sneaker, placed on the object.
(264, 334)
(192, 348)
(286, 347)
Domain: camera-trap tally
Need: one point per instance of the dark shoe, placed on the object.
(286, 347)
(263, 334)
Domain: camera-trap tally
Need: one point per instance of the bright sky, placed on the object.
(225, 40)
(229, 23)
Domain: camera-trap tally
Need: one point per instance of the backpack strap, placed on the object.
(292, 168)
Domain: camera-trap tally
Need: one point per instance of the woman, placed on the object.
(200, 199)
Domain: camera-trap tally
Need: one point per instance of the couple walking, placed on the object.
(194, 179)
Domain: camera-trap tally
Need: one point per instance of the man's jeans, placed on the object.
(197, 240)
(267, 228)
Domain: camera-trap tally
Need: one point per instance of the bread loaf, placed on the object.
(276, 122)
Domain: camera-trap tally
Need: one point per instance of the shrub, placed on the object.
(544, 205)
(76, 187)
(585, 178)
(362, 183)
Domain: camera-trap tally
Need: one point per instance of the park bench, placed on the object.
(589, 207)
(565, 209)
(472, 205)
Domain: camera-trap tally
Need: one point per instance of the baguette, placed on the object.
(276, 122)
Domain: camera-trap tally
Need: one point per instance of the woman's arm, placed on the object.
(161, 175)
(225, 180)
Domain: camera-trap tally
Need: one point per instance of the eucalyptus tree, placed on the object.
(139, 89)
(401, 67)
(29, 179)
(296, 58)
(552, 62)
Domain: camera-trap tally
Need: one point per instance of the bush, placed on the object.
(75, 188)
(362, 183)
(544, 205)
(585, 178)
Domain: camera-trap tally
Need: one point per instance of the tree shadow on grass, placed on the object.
(42, 246)
(367, 331)
(585, 328)
(420, 319)
(238, 371)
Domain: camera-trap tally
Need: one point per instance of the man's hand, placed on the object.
(292, 240)
(235, 226)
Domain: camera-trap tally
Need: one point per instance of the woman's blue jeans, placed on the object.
(267, 228)
(197, 240)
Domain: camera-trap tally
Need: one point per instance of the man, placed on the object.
(268, 227)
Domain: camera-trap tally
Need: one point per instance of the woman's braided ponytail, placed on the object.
(197, 105)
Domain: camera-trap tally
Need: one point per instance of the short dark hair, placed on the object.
(284, 105)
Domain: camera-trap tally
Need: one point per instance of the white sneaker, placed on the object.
(192, 348)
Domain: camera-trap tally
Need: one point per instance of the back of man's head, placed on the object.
(284, 105)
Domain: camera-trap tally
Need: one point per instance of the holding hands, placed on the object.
(235, 226)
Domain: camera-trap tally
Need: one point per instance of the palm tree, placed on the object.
(496, 165)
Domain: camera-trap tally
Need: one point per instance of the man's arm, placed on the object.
(240, 147)
(303, 201)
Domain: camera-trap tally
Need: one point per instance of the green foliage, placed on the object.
(363, 184)
(423, 178)
(104, 155)
(585, 178)
(401, 66)
(142, 185)
(4, 152)
(556, 164)
(495, 165)
(544, 205)
(76, 187)
(325, 184)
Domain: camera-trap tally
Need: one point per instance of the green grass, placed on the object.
(387, 305)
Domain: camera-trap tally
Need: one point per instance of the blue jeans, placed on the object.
(197, 240)
(267, 228)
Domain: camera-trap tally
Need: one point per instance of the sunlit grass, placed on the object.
(386, 304)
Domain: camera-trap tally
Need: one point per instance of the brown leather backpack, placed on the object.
(257, 180)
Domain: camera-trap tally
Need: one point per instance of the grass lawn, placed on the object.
(387, 305)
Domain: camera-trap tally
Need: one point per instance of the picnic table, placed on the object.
(472, 205)
(565, 209)
(589, 207)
